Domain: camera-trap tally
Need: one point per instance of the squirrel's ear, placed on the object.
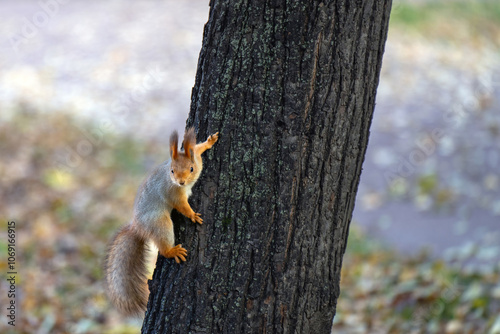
(189, 143)
(174, 140)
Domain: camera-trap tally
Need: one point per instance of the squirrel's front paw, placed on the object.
(212, 139)
(196, 218)
(177, 253)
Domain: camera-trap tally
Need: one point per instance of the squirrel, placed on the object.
(168, 187)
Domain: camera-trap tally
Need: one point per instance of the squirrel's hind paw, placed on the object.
(177, 253)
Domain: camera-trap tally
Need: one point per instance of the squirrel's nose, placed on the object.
(181, 183)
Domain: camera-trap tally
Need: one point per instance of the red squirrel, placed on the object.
(168, 187)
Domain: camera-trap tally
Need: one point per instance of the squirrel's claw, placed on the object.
(177, 253)
(212, 139)
(197, 218)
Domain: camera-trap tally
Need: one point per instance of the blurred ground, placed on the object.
(431, 174)
(89, 91)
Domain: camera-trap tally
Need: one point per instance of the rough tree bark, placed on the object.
(290, 85)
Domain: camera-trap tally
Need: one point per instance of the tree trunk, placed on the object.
(290, 85)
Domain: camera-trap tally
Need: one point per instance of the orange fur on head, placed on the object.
(189, 143)
(174, 139)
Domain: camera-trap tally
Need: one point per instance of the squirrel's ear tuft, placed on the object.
(174, 140)
(189, 142)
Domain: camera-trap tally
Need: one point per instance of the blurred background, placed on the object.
(89, 92)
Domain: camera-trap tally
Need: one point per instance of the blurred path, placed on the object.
(431, 171)
(431, 174)
(128, 66)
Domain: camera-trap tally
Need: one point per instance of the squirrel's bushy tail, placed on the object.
(126, 272)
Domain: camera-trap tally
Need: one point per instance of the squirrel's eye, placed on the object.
(172, 171)
(191, 169)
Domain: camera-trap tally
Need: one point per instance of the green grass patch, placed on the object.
(448, 19)
(420, 14)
